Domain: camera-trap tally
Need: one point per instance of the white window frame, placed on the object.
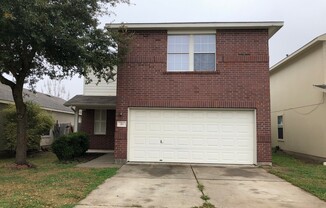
(192, 53)
(280, 126)
(100, 121)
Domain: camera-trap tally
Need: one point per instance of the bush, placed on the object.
(39, 123)
(80, 143)
(71, 146)
(62, 148)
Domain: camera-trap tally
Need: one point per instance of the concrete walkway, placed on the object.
(176, 186)
(104, 161)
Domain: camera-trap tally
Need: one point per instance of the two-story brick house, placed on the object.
(190, 93)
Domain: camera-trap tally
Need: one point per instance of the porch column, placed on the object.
(76, 119)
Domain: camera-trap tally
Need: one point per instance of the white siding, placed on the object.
(302, 105)
(100, 89)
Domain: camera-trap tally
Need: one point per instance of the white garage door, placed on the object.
(191, 136)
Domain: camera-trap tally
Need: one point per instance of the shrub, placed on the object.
(71, 146)
(62, 148)
(80, 142)
(39, 123)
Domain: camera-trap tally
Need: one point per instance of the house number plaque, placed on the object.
(121, 123)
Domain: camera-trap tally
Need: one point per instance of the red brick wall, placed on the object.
(241, 81)
(99, 141)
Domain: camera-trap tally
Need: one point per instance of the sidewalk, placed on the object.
(104, 161)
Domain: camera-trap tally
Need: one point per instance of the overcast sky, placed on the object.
(303, 20)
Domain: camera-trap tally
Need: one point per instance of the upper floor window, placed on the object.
(191, 52)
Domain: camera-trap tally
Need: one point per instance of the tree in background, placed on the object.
(55, 88)
(39, 123)
(55, 38)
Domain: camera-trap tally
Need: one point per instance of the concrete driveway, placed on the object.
(176, 186)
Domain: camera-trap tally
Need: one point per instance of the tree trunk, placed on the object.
(21, 148)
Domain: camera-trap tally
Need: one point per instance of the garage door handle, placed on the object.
(161, 141)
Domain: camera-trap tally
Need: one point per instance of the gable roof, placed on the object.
(47, 102)
(301, 50)
(272, 26)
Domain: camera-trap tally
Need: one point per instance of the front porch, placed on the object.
(98, 119)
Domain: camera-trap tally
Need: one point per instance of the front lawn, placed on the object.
(306, 175)
(50, 184)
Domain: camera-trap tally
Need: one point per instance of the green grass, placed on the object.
(50, 184)
(306, 175)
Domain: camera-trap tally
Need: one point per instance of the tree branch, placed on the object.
(5, 81)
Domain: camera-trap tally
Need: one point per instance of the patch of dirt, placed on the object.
(82, 159)
(15, 166)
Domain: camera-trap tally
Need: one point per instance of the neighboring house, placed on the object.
(186, 92)
(298, 108)
(52, 105)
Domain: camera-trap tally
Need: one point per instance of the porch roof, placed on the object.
(92, 102)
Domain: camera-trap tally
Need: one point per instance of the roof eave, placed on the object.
(310, 44)
(91, 106)
(272, 26)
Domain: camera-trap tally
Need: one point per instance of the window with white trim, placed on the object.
(195, 52)
(100, 122)
(280, 127)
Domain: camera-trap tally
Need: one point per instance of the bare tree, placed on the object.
(55, 88)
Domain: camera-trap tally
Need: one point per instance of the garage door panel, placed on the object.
(169, 127)
(227, 144)
(214, 128)
(213, 157)
(182, 128)
(197, 142)
(195, 136)
(227, 128)
(213, 116)
(139, 140)
(243, 144)
(181, 115)
(197, 128)
(168, 155)
(141, 126)
(242, 128)
(155, 127)
(140, 115)
(213, 142)
(147, 155)
(153, 141)
(154, 115)
(198, 156)
(182, 141)
(228, 157)
(168, 141)
(242, 158)
(226, 116)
